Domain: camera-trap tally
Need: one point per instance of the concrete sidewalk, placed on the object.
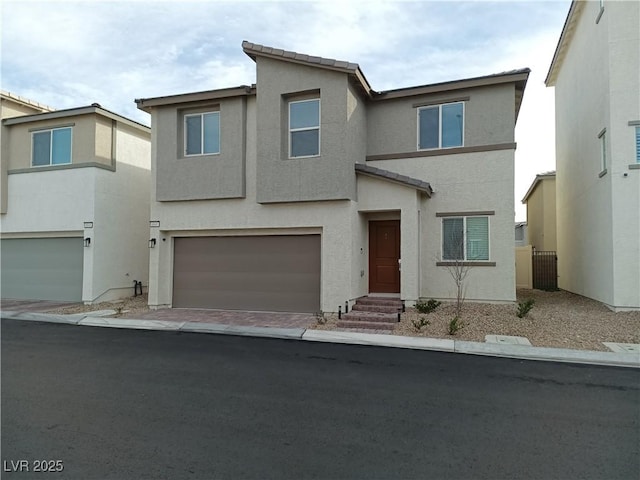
(524, 352)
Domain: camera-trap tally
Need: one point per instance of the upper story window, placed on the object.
(637, 144)
(465, 238)
(304, 128)
(51, 147)
(441, 126)
(202, 133)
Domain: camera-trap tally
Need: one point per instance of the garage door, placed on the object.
(42, 268)
(262, 273)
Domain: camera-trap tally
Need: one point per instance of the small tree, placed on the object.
(453, 253)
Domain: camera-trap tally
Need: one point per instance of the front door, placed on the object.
(384, 253)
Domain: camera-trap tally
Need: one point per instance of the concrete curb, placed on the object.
(523, 352)
(132, 324)
(43, 317)
(376, 339)
(548, 354)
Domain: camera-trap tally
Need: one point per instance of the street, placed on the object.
(133, 404)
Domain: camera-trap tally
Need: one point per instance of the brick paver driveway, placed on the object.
(228, 317)
(33, 305)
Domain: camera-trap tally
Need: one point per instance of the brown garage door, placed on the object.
(278, 273)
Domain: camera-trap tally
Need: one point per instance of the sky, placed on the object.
(67, 54)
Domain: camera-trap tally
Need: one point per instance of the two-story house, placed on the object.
(310, 189)
(75, 202)
(596, 75)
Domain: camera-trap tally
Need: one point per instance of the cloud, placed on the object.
(72, 53)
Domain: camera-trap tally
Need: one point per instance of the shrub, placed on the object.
(455, 325)
(320, 318)
(428, 306)
(525, 307)
(421, 322)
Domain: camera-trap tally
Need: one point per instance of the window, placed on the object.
(51, 147)
(202, 133)
(465, 238)
(603, 151)
(637, 144)
(441, 126)
(304, 128)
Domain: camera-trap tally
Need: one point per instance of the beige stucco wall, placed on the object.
(489, 116)
(329, 176)
(524, 267)
(472, 182)
(198, 177)
(541, 215)
(89, 132)
(598, 219)
(9, 108)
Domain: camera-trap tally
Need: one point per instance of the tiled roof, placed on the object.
(254, 48)
(394, 177)
(26, 101)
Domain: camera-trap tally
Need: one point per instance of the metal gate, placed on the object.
(545, 270)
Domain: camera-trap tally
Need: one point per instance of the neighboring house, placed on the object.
(596, 75)
(75, 202)
(310, 189)
(521, 235)
(540, 200)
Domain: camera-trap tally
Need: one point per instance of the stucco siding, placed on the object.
(49, 201)
(328, 176)
(466, 183)
(83, 140)
(121, 221)
(489, 118)
(598, 215)
(193, 177)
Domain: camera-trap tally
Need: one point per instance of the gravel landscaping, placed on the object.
(558, 319)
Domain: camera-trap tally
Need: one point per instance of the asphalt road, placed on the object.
(127, 404)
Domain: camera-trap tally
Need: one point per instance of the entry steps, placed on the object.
(372, 313)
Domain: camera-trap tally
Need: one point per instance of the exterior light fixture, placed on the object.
(152, 243)
(87, 242)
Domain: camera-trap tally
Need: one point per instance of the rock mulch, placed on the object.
(558, 319)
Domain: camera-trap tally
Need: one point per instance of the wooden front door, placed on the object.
(384, 253)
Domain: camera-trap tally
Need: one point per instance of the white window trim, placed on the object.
(202, 114)
(439, 106)
(50, 164)
(464, 233)
(306, 129)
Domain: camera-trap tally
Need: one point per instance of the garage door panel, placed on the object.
(42, 268)
(272, 273)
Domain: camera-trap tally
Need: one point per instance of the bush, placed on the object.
(320, 318)
(421, 322)
(525, 307)
(428, 306)
(455, 325)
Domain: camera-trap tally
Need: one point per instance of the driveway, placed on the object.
(34, 305)
(228, 317)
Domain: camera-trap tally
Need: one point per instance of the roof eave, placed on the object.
(565, 37)
(73, 112)
(146, 104)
